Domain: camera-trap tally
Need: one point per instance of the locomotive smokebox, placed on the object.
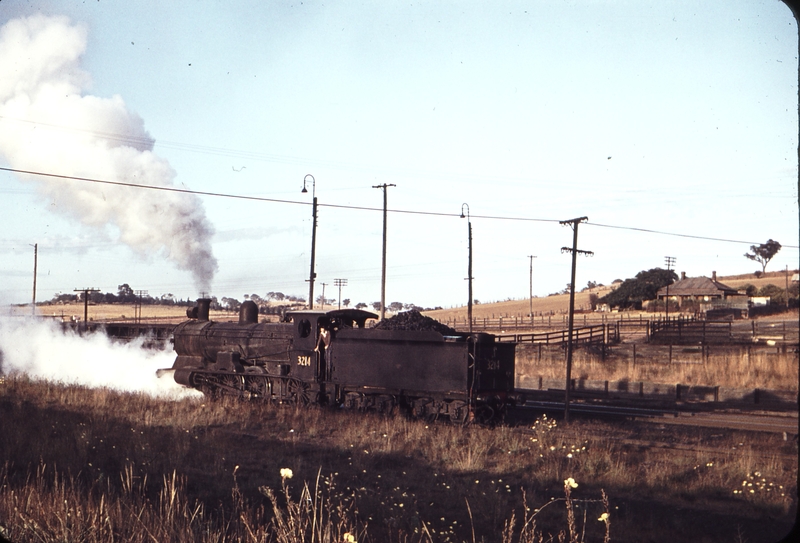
(203, 305)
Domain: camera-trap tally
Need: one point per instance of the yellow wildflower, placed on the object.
(286, 473)
(603, 517)
(349, 538)
(570, 483)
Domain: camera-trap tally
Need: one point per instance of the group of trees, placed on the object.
(271, 303)
(632, 292)
(125, 295)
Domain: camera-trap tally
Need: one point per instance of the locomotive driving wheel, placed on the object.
(229, 382)
(257, 386)
(298, 392)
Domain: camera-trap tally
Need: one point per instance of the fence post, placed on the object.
(670, 354)
(634, 355)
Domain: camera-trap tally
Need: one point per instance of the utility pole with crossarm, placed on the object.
(573, 223)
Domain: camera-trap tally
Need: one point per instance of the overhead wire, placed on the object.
(365, 208)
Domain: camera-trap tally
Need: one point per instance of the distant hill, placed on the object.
(560, 303)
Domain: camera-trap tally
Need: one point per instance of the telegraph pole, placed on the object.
(35, 264)
(573, 223)
(469, 263)
(312, 274)
(137, 307)
(86, 292)
(531, 290)
(383, 258)
(670, 261)
(340, 283)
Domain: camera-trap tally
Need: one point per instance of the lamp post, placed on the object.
(469, 265)
(530, 296)
(312, 274)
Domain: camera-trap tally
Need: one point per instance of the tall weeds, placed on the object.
(770, 370)
(86, 465)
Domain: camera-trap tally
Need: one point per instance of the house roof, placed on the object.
(698, 286)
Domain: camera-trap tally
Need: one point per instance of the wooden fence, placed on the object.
(602, 334)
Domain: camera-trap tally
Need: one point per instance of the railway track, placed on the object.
(673, 413)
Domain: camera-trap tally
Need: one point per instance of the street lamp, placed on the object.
(469, 266)
(312, 273)
(530, 295)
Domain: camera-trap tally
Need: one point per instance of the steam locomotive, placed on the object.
(333, 358)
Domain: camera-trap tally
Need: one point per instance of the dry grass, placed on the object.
(85, 463)
(763, 369)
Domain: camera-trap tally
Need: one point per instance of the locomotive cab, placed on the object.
(314, 332)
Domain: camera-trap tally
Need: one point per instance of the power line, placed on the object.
(364, 208)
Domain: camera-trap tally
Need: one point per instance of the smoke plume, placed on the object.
(48, 352)
(48, 124)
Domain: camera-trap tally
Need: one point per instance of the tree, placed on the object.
(763, 253)
(749, 289)
(394, 307)
(362, 305)
(231, 304)
(346, 302)
(645, 286)
(775, 293)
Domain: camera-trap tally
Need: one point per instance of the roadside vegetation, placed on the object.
(84, 464)
(725, 367)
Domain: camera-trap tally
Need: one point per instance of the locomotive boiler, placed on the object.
(333, 358)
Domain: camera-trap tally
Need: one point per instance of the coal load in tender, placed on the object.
(416, 321)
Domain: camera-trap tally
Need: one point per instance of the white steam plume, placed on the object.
(48, 352)
(47, 124)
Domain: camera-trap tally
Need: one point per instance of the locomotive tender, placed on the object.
(333, 358)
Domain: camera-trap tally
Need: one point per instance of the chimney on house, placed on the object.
(683, 276)
(713, 276)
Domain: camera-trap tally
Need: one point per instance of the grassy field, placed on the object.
(555, 304)
(96, 465)
(92, 464)
(763, 369)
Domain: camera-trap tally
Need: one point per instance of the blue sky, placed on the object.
(673, 117)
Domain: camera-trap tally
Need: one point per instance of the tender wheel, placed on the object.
(458, 411)
(385, 404)
(485, 414)
(352, 400)
(425, 408)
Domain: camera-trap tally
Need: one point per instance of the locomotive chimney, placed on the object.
(248, 313)
(203, 305)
